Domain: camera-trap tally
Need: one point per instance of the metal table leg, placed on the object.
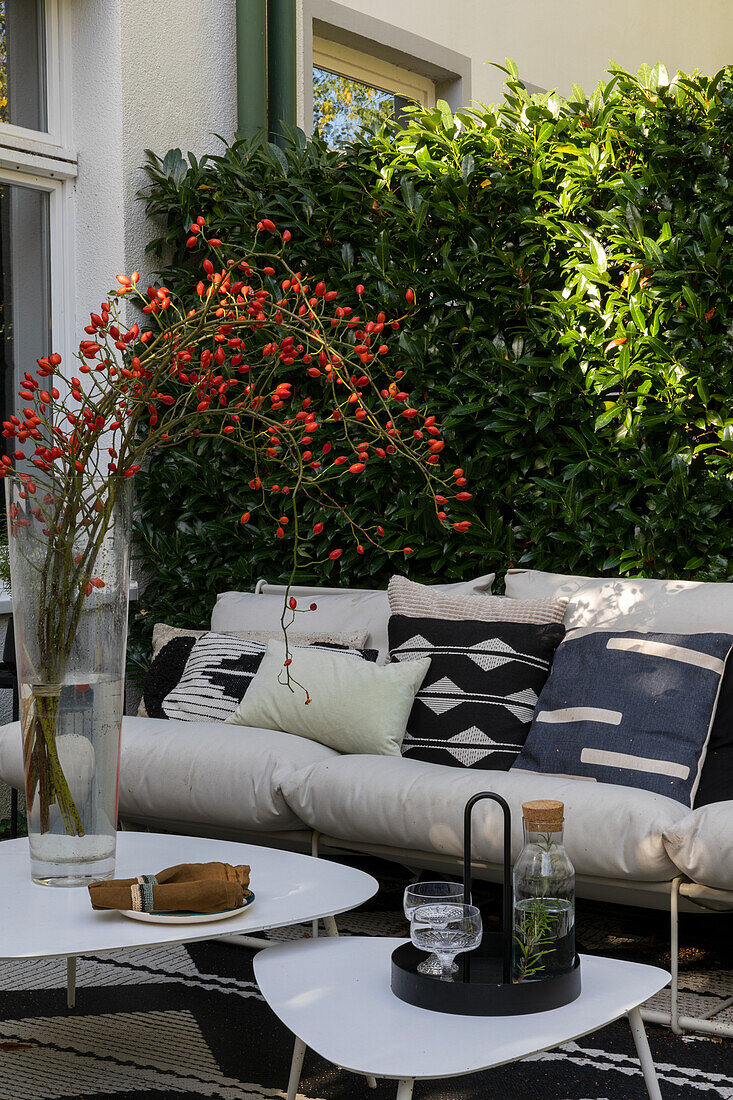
(404, 1089)
(645, 1055)
(296, 1068)
(71, 981)
(296, 1065)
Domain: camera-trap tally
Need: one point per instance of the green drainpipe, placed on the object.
(251, 16)
(280, 67)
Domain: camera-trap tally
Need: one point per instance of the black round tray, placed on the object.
(478, 989)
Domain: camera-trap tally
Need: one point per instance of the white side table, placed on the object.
(334, 994)
(45, 922)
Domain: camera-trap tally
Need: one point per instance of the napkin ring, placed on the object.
(141, 894)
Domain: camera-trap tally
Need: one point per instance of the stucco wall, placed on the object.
(145, 75)
(561, 43)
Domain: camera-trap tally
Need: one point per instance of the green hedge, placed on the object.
(573, 273)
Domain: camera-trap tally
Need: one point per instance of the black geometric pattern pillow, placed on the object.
(218, 672)
(476, 703)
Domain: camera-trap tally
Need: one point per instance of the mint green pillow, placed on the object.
(355, 706)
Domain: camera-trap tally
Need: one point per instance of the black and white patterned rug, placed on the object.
(160, 1023)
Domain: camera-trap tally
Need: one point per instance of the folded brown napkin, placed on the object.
(187, 887)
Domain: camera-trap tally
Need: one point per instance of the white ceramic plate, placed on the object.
(186, 918)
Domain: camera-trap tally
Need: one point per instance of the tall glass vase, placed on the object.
(69, 563)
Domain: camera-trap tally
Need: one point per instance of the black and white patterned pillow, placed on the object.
(218, 672)
(476, 703)
(166, 668)
(172, 647)
(631, 708)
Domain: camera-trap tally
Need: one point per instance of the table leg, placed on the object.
(71, 981)
(330, 926)
(296, 1068)
(404, 1089)
(645, 1055)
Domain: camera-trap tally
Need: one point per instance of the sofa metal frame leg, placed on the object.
(679, 1024)
(645, 1055)
(71, 981)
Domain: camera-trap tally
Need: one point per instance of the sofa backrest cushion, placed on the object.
(630, 603)
(352, 609)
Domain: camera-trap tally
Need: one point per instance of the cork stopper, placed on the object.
(544, 814)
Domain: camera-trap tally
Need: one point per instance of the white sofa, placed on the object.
(627, 845)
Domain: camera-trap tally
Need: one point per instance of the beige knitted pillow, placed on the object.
(421, 601)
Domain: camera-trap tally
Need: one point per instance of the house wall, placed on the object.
(555, 45)
(144, 75)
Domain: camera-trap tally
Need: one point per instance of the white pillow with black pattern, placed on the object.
(172, 647)
(218, 672)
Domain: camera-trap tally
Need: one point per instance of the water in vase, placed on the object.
(72, 833)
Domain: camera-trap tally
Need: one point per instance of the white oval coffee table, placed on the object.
(49, 922)
(335, 995)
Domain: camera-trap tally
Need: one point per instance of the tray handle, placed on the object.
(506, 924)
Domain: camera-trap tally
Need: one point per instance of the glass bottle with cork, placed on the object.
(543, 931)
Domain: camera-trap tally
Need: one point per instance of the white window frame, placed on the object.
(372, 71)
(45, 161)
(61, 255)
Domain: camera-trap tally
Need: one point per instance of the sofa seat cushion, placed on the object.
(701, 845)
(203, 772)
(610, 831)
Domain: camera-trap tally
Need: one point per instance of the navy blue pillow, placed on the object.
(629, 708)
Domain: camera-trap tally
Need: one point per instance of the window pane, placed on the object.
(343, 108)
(22, 64)
(25, 286)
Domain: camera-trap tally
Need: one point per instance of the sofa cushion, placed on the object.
(629, 707)
(609, 831)
(623, 603)
(701, 845)
(352, 609)
(201, 772)
(476, 703)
